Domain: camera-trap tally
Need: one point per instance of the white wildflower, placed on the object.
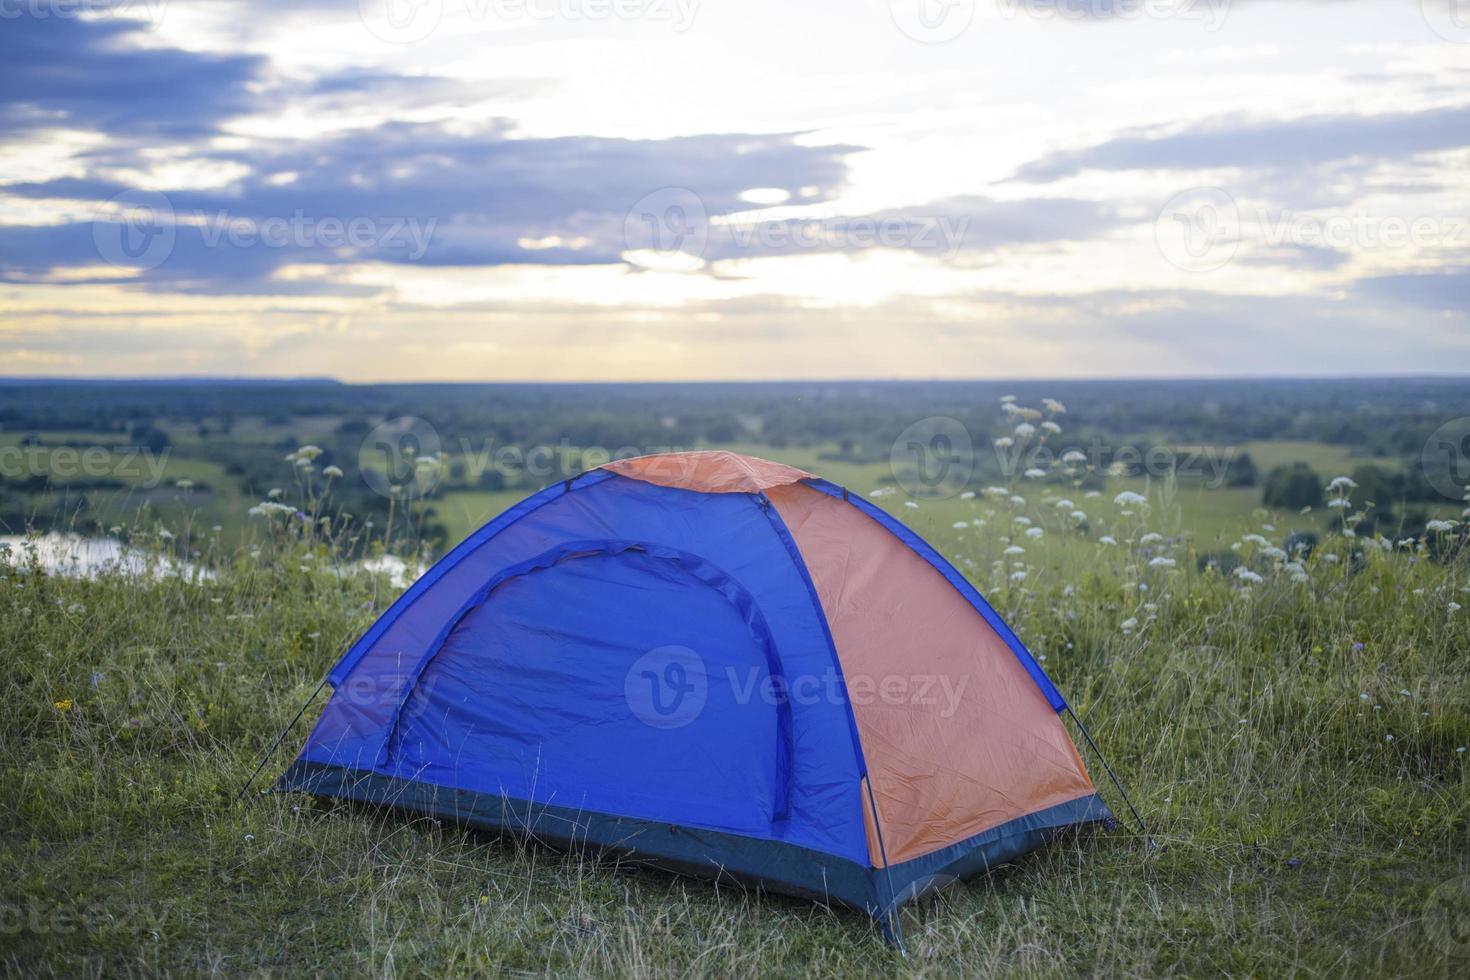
(1018, 576)
(1014, 549)
(308, 453)
(1053, 406)
(1107, 539)
(1004, 442)
(276, 493)
(1051, 427)
(1023, 521)
(1128, 625)
(1074, 456)
(959, 525)
(1065, 504)
(1162, 563)
(1130, 499)
(1018, 501)
(1025, 430)
(911, 505)
(1034, 532)
(332, 472)
(1340, 483)
(968, 495)
(1035, 473)
(1440, 526)
(1079, 516)
(1246, 575)
(1339, 503)
(1151, 537)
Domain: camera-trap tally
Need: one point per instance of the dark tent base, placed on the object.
(772, 865)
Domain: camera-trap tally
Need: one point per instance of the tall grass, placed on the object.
(1297, 743)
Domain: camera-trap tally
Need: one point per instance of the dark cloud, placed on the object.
(95, 75)
(419, 193)
(1430, 291)
(1293, 143)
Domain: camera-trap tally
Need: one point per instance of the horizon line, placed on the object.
(547, 382)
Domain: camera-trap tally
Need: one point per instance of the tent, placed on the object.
(717, 665)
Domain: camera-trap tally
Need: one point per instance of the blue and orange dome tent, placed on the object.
(714, 664)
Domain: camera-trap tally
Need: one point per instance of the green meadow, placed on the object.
(1291, 722)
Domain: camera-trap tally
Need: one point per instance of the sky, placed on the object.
(734, 189)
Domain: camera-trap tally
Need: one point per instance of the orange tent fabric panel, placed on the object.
(958, 738)
(708, 471)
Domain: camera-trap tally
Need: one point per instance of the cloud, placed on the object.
(419, 193)
(1304, 142)
(61, 72)
(1430, 291)
(943, 228)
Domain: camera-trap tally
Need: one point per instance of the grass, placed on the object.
(1252, 724)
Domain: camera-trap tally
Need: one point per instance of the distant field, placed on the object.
(1212, 516)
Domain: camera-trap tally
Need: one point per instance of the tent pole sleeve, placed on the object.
(279, 739)
(891, 924)
(1142, 827)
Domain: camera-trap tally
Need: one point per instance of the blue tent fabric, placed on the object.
(522, 683)
(732, 532)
